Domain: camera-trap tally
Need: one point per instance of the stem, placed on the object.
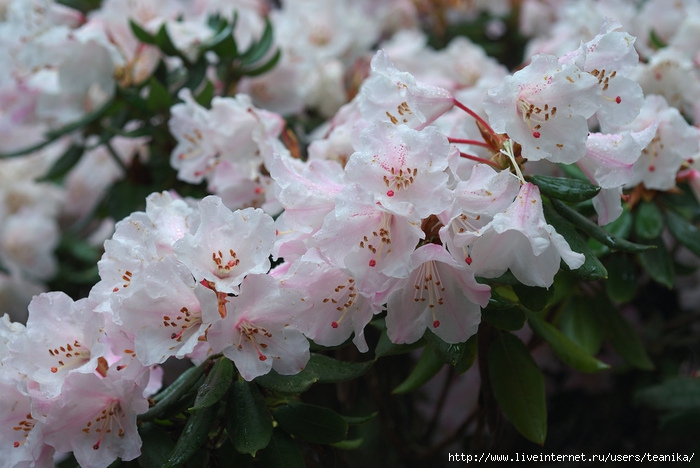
(468, 142)
(475, 115)
(481, 160)
(115, 156)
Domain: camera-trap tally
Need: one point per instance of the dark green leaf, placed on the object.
(502, 297)
(648, 221)
(683, 230)
(158, 97)
(356, 420)
(450, 353)
(658, 263)
(220, 42)
(156, 448)
(621, 334)
(622, 284)
(592, 269)
(427, 366)
(534, 297)
(568, 351)
(194, 434)
(141, 34)
(467, 359)
(593, 230)
(257, 50)
(297, 383)
(248, 420)
(678, 393)
(173, 393)
(196, 74)
(570, 190)
(165, 44)
(264, 68)
(573, 171)
(282, 452)
(682, 423)
(621, 227)
(215, 385)
(331, 370)
(228, 457)
(506, 319)
(518, 386)
(311, 423)
(581, 325)
(655, 40)
(64, 164)
(353, 444)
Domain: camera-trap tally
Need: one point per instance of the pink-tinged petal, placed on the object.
(439, 295)
(227, 245)
(608, 205)
(257, 333)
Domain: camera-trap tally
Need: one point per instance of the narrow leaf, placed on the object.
(257, 50)
(156, 447)
(469, 356)
(158, 97)
(174, 392)
(506, 319)
(427, 366)
(593, 230)
(450, 353)
(518, 386)
(248, 420)
(356, 420)
(141, 34)
(264, 68)
(386, 348)
(282, 452)
(582, 326)
(570, 190)
(534, 297)
(648, 221)
(193, 436)
(686, 233)
(622, 284)
(677, 393)
(215, 385)
(289, 384)
(568, 351)
(315, 424)
(658, 263)
(64, 164)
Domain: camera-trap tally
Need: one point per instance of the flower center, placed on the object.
(69, 356)
(255, 335)
(534, 116)
(378, 239)
(343, 297)
(428, 287)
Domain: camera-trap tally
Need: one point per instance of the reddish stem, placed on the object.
(478, 159)
(475, 115)
(468, 142)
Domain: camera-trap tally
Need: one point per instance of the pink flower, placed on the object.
(440, 294)
(544, 107)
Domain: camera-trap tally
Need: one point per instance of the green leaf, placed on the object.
(621, 227)
(206, 95)
(174, 392)
(570, 190)
(257, 50)
(518, 386)
(227, 456)
(534, 297)
(165, 44)
(469, 356)
(427, 366)
(357, 420)
(658, 263)
(677, 393)
(353, 444)
(220, 42)
(196, 74)
(315, 424)
(194, 434)
(248, 420)
(331, 370)
(568, 351)
(582, 326)
(648, 222)
(215, 385)
(141, 34)
(506, 319)
(592, 269)
(158, 98)
(63, 164)
(450, 353)
(655, 40)
(156, 447)
(593, 230)
(623, 337)
(622, 284)
(264, 68)
(289, 384)
(282, 452)
(686, 233)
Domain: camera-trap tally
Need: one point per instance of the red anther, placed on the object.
(618, 99)
(436, 324)
(625, 197)
(536, 134)
(96, 446)
(54, 370)
(468, 260)
(334, 324)
(389, 193)
(263, 357)
(372, 262)
(652, 168)
(259, 190)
